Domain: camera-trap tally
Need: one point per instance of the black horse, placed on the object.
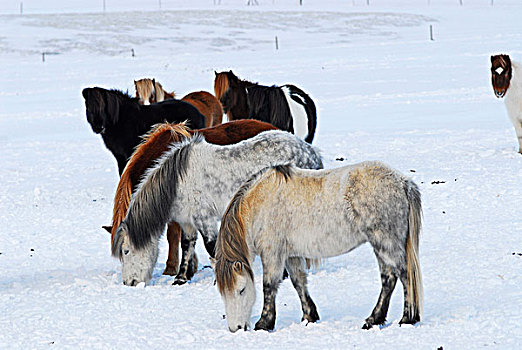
(121, 120)
(286, 107)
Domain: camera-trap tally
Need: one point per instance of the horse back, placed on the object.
(235, 131)
(175, 111)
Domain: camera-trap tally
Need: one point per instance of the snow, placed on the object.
(384, 91)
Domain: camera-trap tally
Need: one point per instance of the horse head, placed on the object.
(102, 108)
(137, 264)
(501, 72)
(236, 286)
(145, 91)
(234, 275)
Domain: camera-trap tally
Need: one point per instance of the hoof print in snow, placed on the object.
(340, 159)
(412, 170)
(438, 182)
(514, 253)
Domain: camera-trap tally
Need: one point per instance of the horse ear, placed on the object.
(238, 266)
(492, 59)
(112, 107)
(107, 228)
(216, 73)
(84, 93)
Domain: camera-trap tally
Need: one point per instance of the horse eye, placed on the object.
(126, 251)
(241, 291)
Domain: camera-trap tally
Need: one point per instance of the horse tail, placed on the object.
(414, 287)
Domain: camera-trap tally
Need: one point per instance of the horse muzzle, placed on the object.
(133, 283)
(99, 130)
(500, 93)
(238, 327)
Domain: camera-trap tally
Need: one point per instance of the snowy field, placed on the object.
(384, 91)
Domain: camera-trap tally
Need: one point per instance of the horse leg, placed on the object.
(388, 281)
(411, 312)
(298, 276)
(518, 130)
(173, 237)
(272, 273)
(188, 242)
(207, 226)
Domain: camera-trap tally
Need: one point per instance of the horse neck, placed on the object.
(514, 92)
(151, 207)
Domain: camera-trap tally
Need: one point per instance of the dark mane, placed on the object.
(150, 209)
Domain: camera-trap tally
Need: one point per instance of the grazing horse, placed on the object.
(154, 145)
(506, 77)
(287, 107)
(150, 91)
(121, 120)
(192, 184)
(285, 214)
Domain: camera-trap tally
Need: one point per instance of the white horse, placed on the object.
(285, 214)
(506, 77)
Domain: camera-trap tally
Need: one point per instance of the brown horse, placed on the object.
(150, 91)
(154, 145)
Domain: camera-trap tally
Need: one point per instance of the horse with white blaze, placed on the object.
(506, 77)
(285, 214)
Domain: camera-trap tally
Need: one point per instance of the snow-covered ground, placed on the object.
(384, 91)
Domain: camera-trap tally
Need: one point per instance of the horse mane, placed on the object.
(150, 208)
(146, 87)
(231, 245)
(221, 84)
(224, 80)
(144, 156)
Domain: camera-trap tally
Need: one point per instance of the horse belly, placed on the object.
(299, 116)
(326, 243)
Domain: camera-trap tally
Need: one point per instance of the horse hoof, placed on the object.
(179, 281)
(407, 320)
(367, 326)
(310, 319)
(263, 326)
(170, 271)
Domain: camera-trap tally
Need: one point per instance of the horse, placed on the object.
(287, 107)
(285, 214)
(506, 78)
(150, 91)
(153, 146)
(121, 120)
(192, 184)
